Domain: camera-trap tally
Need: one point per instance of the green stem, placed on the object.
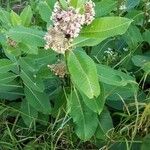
(66, 61)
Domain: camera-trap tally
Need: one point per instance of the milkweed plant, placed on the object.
(59, 59)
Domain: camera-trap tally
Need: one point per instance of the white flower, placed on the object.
(56, 40)
(68, 21)
(59, 69)
(67, 25)
(123, 7)
(89, 12)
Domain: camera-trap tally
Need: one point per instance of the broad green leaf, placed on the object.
(95, 104)
(5, 18)
(146, 142)
(86, 41)
(15, 19)
(27, 36)
(146, 67)
(30, 81)
(43, 58)
(51, 3)
(43, 119)
(113, 77)
(40, 101)
(26, 16)
(29, 74)
(104, 124)
(21, 47)
(12, 94)
(33, 63)
(104, 7)
(14, 51)
(143, 62)
(84, 118)
(115, 95)
(27, 64)
(131, 3)
(146, 36)
(28, 113)
(6, 65)
(9, 86)
(2, 38)
(140, 60)
(106, 27)
(77, 3)
(7, 77)
(45, 11)
(63, 4)
(137, 16)
(133, 37)
(83, 73)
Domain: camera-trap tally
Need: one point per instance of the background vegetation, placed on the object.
(124, 122)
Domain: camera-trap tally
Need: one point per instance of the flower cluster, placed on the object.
(11, 42)
(67, 25)
(89, 12)
(56, 40)
(68, 21)
(59, 69)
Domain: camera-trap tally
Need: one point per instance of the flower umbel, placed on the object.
(89, 12)
(11, 42)
(67, 25)
(68, 21)
(56, 40)
(59, 69)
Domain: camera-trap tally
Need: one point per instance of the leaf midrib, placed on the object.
(90, 88)
(95, 31)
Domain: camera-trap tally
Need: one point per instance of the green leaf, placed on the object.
(84, 118)
(45, 11)
(83, 73)
(113, 77)
(27, 64)
(143, 62)
(146, 143)
(6, 65)
(104, 7)
(133, 37)
(26, 16)
(131, 4)
(12, 94)
(5, 18)
(28, 113)
(2, 39)
(15, 19)
(104, 125)
(40, 101)
(9, 86)
(140, 60)
(30, 81)
(51, 3)
(86, 41)
(95, 104)
(137, 16)
(63, 4)
(146, 36)
(113, 93)
(27, 36)
(29, 74)
(106, 27)
(7, 77)
(77, 3)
